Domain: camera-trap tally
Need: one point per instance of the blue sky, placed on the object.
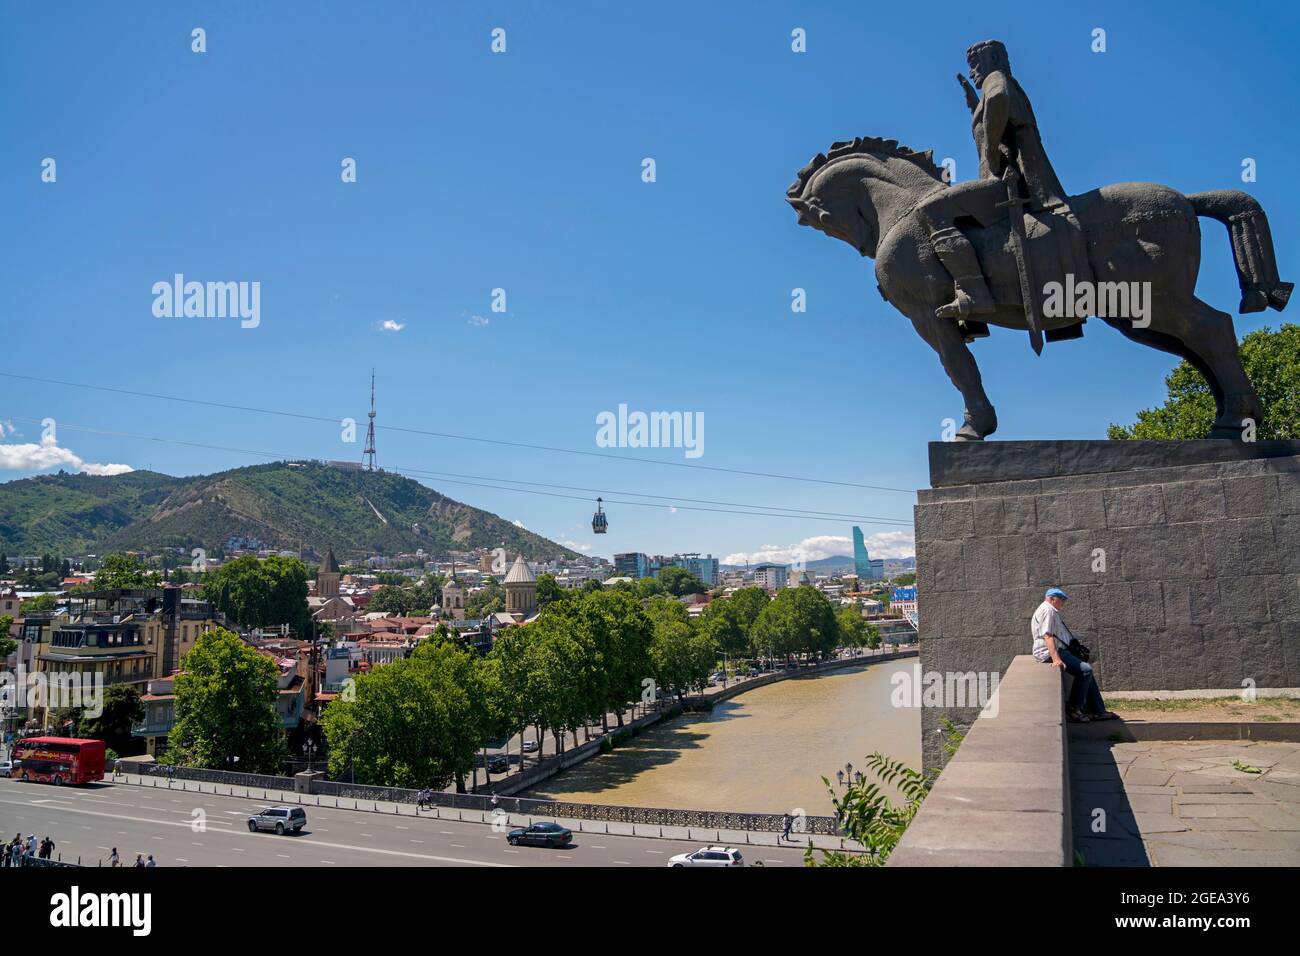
(522, 171)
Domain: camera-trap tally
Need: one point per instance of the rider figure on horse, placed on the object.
(1012, 160)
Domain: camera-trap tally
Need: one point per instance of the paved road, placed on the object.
(89, 821)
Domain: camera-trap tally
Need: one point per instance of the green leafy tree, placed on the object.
(226, 708)
(724, 623)
(416, 722)
(560, 676)
(648, 587)
(518, 690)
(797, 621)
(261, 593)
(399, 601)
(124, 571)
(620, 633)
(873, 637)
(1272, 363)
(749, 604)
(487, 600)
(853, 630)
(678, 582)
(868, 815)
(122, 708)
(7, 644)
(680, 657)
(548, 590)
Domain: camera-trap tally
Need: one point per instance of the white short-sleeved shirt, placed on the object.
(1047, 620)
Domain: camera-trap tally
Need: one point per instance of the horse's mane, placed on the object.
(864, 144)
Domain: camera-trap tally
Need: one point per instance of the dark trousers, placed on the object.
(1085, 695)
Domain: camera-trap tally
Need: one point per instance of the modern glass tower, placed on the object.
(861, 560)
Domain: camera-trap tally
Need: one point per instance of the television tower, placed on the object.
(369, 453)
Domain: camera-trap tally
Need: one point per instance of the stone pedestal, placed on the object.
(303, 780)
(1181, 559)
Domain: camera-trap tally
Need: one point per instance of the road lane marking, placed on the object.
(255, 836)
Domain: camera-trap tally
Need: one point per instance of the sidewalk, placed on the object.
(499, 818)
(1186, 803)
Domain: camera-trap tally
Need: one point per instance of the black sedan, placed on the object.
(541, 834)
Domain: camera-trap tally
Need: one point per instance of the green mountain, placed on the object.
(304, 506)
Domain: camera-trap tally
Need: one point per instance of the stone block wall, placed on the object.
(1201, 580)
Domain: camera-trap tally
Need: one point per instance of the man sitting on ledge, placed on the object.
(1052, 640)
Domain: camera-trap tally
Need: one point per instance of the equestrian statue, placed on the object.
(1011, 249)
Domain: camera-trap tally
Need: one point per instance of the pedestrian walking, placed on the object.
(139, 861)
(112, 858)
(151, 864)
(787, 822)
(31, 844)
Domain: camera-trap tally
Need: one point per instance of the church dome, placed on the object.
(519, 573)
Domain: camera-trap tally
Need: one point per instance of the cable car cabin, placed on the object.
(599, 524)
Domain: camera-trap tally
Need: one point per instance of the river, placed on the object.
(764, 751)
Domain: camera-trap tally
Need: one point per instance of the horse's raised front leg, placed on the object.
(945, 338)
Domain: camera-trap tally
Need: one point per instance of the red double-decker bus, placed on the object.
(58, 760)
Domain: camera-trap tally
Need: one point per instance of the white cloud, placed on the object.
(886, 544)
(48, 454)
(388, 325)
(479, 320)
(518, 524)
(576, 546)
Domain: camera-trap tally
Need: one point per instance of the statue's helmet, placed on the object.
(994, 50)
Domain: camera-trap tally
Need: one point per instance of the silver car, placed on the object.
(709, 856)
(279, 819)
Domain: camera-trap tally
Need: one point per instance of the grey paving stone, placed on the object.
(1160, 823)
(1226, 823)
(1198, 811)
(1280, 792)
(1254, 858)
(1150, 802)
(1148, 777)
(1274, 818)
(1234, 798)
(1197, 840)
(1165, 854)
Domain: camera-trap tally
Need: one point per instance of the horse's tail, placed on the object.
(1252, 247)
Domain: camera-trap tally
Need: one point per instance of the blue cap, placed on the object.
(1057, 592)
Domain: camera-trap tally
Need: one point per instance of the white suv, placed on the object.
(709, 856)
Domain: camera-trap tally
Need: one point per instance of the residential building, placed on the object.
(632, 565)
(773, 577)
(125, 636)
(705, 568)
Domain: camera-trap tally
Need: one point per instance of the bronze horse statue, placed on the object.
(1138, 236)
